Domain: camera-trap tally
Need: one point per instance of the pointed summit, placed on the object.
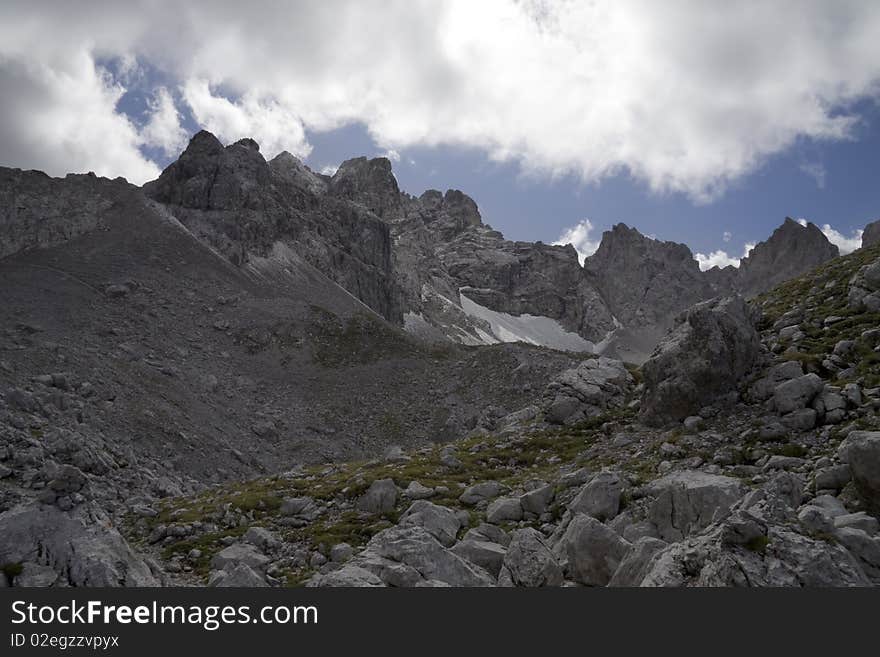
(369, 182)
(792, 249)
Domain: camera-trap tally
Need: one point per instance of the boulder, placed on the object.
(489, 533)
(341, 552)
(238, 553)
(712, 347)
(591, 551)
(635, 564)
(406, 556)
(529, 562)
(346, 577)
(600, 497)
(380, 497)
(587, 390)
(504, 509)
(262, 538)
(300, 507)
(81, 546)
(689, 500)
(481, 492)
(858, 520)
(416, 491)
(797, 393)
(237, 575)
(537, 500)
(440, 521)
(861, 450)
(488, 556)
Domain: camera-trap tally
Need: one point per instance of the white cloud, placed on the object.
(274, 126)
(844, 243)
(579, 237)
(392, 155)
(163, 129)
(720, 258)
(686, 96)
(816, 171)
(329, 169)
(62, 118)
(727, 236)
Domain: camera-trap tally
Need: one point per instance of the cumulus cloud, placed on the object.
(163, 129)
(329, 169)
(844, 243)
(685, 96)
(392, 155)
(816, 171)
(579, 237)
(727, 236)
(275, 127)
(721, 258)
(62, 118)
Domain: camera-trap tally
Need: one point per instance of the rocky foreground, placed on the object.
(745, 452)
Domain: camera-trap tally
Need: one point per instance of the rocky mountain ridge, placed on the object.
(431, 264)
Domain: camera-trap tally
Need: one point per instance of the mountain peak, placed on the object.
(792, 249)
(369, 182)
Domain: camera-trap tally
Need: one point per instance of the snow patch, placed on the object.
(533, 329)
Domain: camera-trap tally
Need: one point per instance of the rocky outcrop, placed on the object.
(707, 354)
(861, 450)
(37, 211)
(791, 250)
(871, 234)
(591, 388)
(68, 549)
(645, 282)
(243, 206)
(761, 542)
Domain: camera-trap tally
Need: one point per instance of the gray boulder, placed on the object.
(713, 346)
(380, 497)
(488, 556)
(238, 553)
(586, 390)
(82, 547)
(406, 556)
(537, 500)
(591, 551)
(689, 500)
(635, 564)
(797, 393)
(600, 497)
(346, 577)
(237, 575)
(489, 533)
(864, 547)
(416, 491)
(300, 507)
(262, 538)
(481, 492)
(505, 509)
(861, 450)
(440, 521)
(529, 562)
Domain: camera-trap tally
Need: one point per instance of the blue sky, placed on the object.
(704, 123)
